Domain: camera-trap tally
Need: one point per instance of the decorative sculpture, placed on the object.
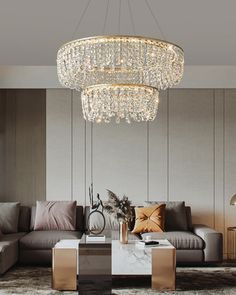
(95, 210)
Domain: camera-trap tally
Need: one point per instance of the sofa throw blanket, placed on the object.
(60, 215)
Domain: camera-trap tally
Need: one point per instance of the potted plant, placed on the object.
(120, 208)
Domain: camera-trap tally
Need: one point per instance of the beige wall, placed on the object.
(188, 153)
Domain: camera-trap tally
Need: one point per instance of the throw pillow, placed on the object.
(149, 219)
(176, 218)
(60, 215)
(9, 217)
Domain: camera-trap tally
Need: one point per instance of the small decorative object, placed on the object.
(121, 210)
(233, 200)
(95, 210)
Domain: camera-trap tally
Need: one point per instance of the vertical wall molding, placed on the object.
(85, 159)
(214, 157)
(72, 145)
(224, 227)
(168, 146)
(148, 159)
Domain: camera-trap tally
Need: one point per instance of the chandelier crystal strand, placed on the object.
(120, 76)
(120, 60)
(101, 103)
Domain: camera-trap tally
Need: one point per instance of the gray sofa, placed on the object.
(199, 244)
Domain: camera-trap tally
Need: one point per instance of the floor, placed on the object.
(198, 280)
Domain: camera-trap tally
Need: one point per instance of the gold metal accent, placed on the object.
(163, 268)
(233, 200)
(64, 269)
(231, 243)
(121, 85)
(123, 232)
(125, 37)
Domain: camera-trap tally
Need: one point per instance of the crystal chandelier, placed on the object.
(119, 76)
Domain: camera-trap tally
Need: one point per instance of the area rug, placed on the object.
(198, 280)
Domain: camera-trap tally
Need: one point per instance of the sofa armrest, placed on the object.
(213, 249)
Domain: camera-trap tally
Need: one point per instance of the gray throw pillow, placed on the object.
(60, 215)
(96, 222)
(9, 217)
(176, 218)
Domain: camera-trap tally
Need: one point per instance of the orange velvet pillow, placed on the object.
(149, 219)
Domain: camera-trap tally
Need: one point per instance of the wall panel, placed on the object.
(230, 157)
(191, 146)
(2, 143)
(158, 156)
(120, 159)
(24, 145)
(58, 144)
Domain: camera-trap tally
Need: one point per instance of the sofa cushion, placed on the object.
(8, 255)
(180, 240)
(12, 237)
(46, 239)
(9, 217)
(176, 218)
(24, 219)
(59, 215)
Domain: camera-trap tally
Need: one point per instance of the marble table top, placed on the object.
(133, 258)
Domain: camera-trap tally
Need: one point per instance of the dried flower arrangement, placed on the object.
(120, 208)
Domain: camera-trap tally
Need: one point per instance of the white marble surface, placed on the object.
(134, 259)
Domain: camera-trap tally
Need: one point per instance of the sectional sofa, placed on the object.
(198, 244)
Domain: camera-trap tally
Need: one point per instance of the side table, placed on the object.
(64, 265)
(231, 243)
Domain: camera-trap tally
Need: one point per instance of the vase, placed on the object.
(123, 232)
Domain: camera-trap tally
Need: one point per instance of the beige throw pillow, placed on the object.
(60, 215)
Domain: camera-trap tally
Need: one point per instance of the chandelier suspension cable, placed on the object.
(81, 18)
(131, 17)
(106, 15)
(155, 19)
(119, 13)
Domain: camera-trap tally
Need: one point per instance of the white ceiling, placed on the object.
(31, 30)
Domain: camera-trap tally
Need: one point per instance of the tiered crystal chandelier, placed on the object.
(119, 76)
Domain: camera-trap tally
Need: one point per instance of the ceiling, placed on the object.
(31, 31)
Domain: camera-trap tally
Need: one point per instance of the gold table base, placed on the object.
(64, 269)
(163, 268)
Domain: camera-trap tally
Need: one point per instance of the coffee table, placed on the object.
(97, 261)
(134, 259)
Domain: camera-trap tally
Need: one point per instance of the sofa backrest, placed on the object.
(131, 225)
(189, 217)
(27, 218)
(79, 218)
(24, 219)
